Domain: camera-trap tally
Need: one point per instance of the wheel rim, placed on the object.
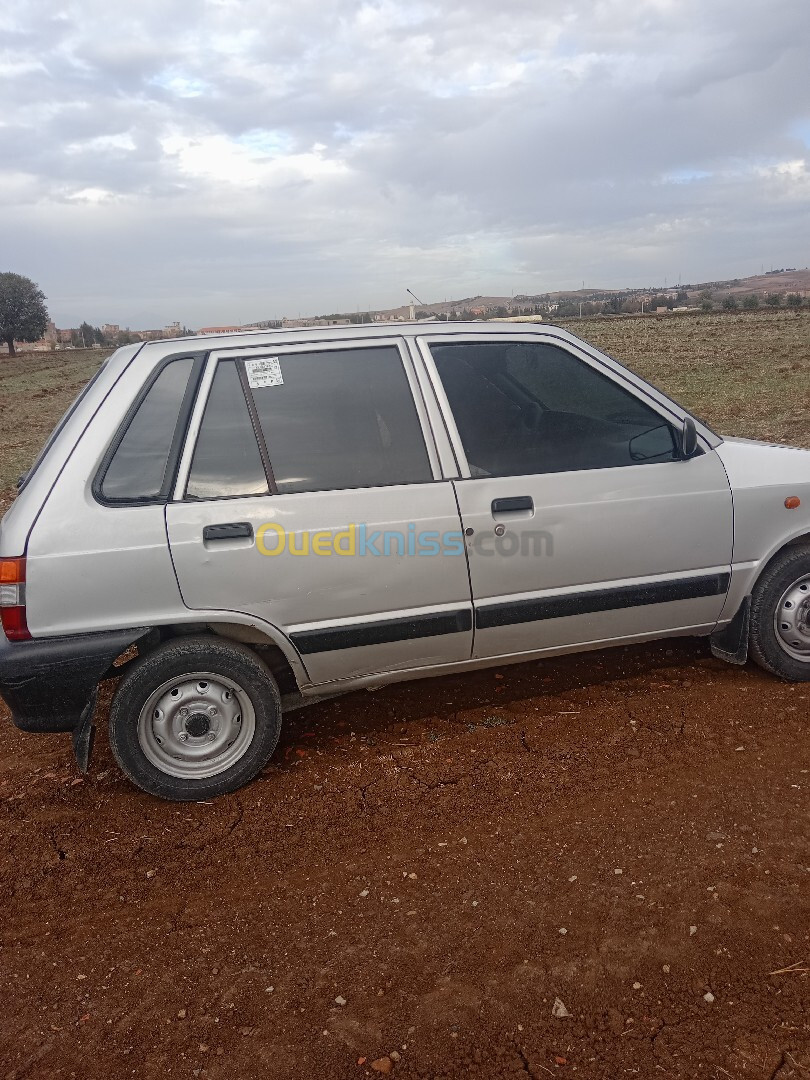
(196, 725)
(792, 620)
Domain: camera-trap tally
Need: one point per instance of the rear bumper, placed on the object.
(48, 682)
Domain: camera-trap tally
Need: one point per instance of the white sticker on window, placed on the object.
(264, 372)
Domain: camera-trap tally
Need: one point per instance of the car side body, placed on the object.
(628, 541)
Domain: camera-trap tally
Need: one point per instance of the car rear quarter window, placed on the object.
(226, 460)
(139, 466)
(341, 418)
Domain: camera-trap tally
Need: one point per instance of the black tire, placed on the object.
(786, 570)
(253, 691)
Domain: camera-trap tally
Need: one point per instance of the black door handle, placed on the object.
(516, 502)
(234, 530)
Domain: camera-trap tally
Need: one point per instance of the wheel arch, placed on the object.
(800, 540)
(730, 642)
(765, 647)
(275, 650)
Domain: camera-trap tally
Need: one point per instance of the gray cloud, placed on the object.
(235, 159)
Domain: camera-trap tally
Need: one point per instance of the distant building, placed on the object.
(110, 330)
(294, 324)
(33, 346)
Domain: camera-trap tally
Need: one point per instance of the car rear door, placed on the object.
(307, 484)
(583, 525)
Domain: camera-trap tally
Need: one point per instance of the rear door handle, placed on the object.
(234, 530)
(513, 504)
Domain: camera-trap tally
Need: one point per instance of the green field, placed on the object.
(745, 374)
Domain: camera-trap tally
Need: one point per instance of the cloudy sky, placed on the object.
(228, 160)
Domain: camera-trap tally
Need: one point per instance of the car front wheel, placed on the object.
(780, 616)
(195, 718)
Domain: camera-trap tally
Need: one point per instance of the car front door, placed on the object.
(584, 525)
(305, 493)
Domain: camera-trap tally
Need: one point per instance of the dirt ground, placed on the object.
(416, 878)
(423, 874)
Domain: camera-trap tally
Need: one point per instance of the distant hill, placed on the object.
(781, 281)
(775, 281)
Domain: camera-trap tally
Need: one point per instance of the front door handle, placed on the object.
(233, 530)
(513, 504)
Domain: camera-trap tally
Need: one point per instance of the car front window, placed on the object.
(531, 407)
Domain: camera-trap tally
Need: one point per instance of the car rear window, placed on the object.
(139, 466)
(226, 459)
(342, 418)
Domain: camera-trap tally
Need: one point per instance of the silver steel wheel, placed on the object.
(792, 620)
(196, 726)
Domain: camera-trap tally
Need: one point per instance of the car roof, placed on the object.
(291, 335)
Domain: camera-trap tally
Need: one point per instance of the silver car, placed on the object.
(237, 526)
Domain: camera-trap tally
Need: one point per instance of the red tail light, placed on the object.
(12, 599)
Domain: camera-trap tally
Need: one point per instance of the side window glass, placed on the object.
(139, 466)
(524, 408)
(226, 458)
(339, 419)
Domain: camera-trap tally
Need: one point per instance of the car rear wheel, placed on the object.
(195, 718)
(780, 616)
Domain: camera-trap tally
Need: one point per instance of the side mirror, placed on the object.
(687, 438)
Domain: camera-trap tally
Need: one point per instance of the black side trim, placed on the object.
(585, 603)
(377, 633)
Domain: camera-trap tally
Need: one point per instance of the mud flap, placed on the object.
(84, 733)
(731, 643)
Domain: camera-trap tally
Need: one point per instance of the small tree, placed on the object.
(751, 301)
(86, 335)
(730, 303)
(23, 315)
(774, 300)
(794, 300)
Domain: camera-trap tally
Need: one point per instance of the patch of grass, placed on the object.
(744, 374)
(35, 390)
